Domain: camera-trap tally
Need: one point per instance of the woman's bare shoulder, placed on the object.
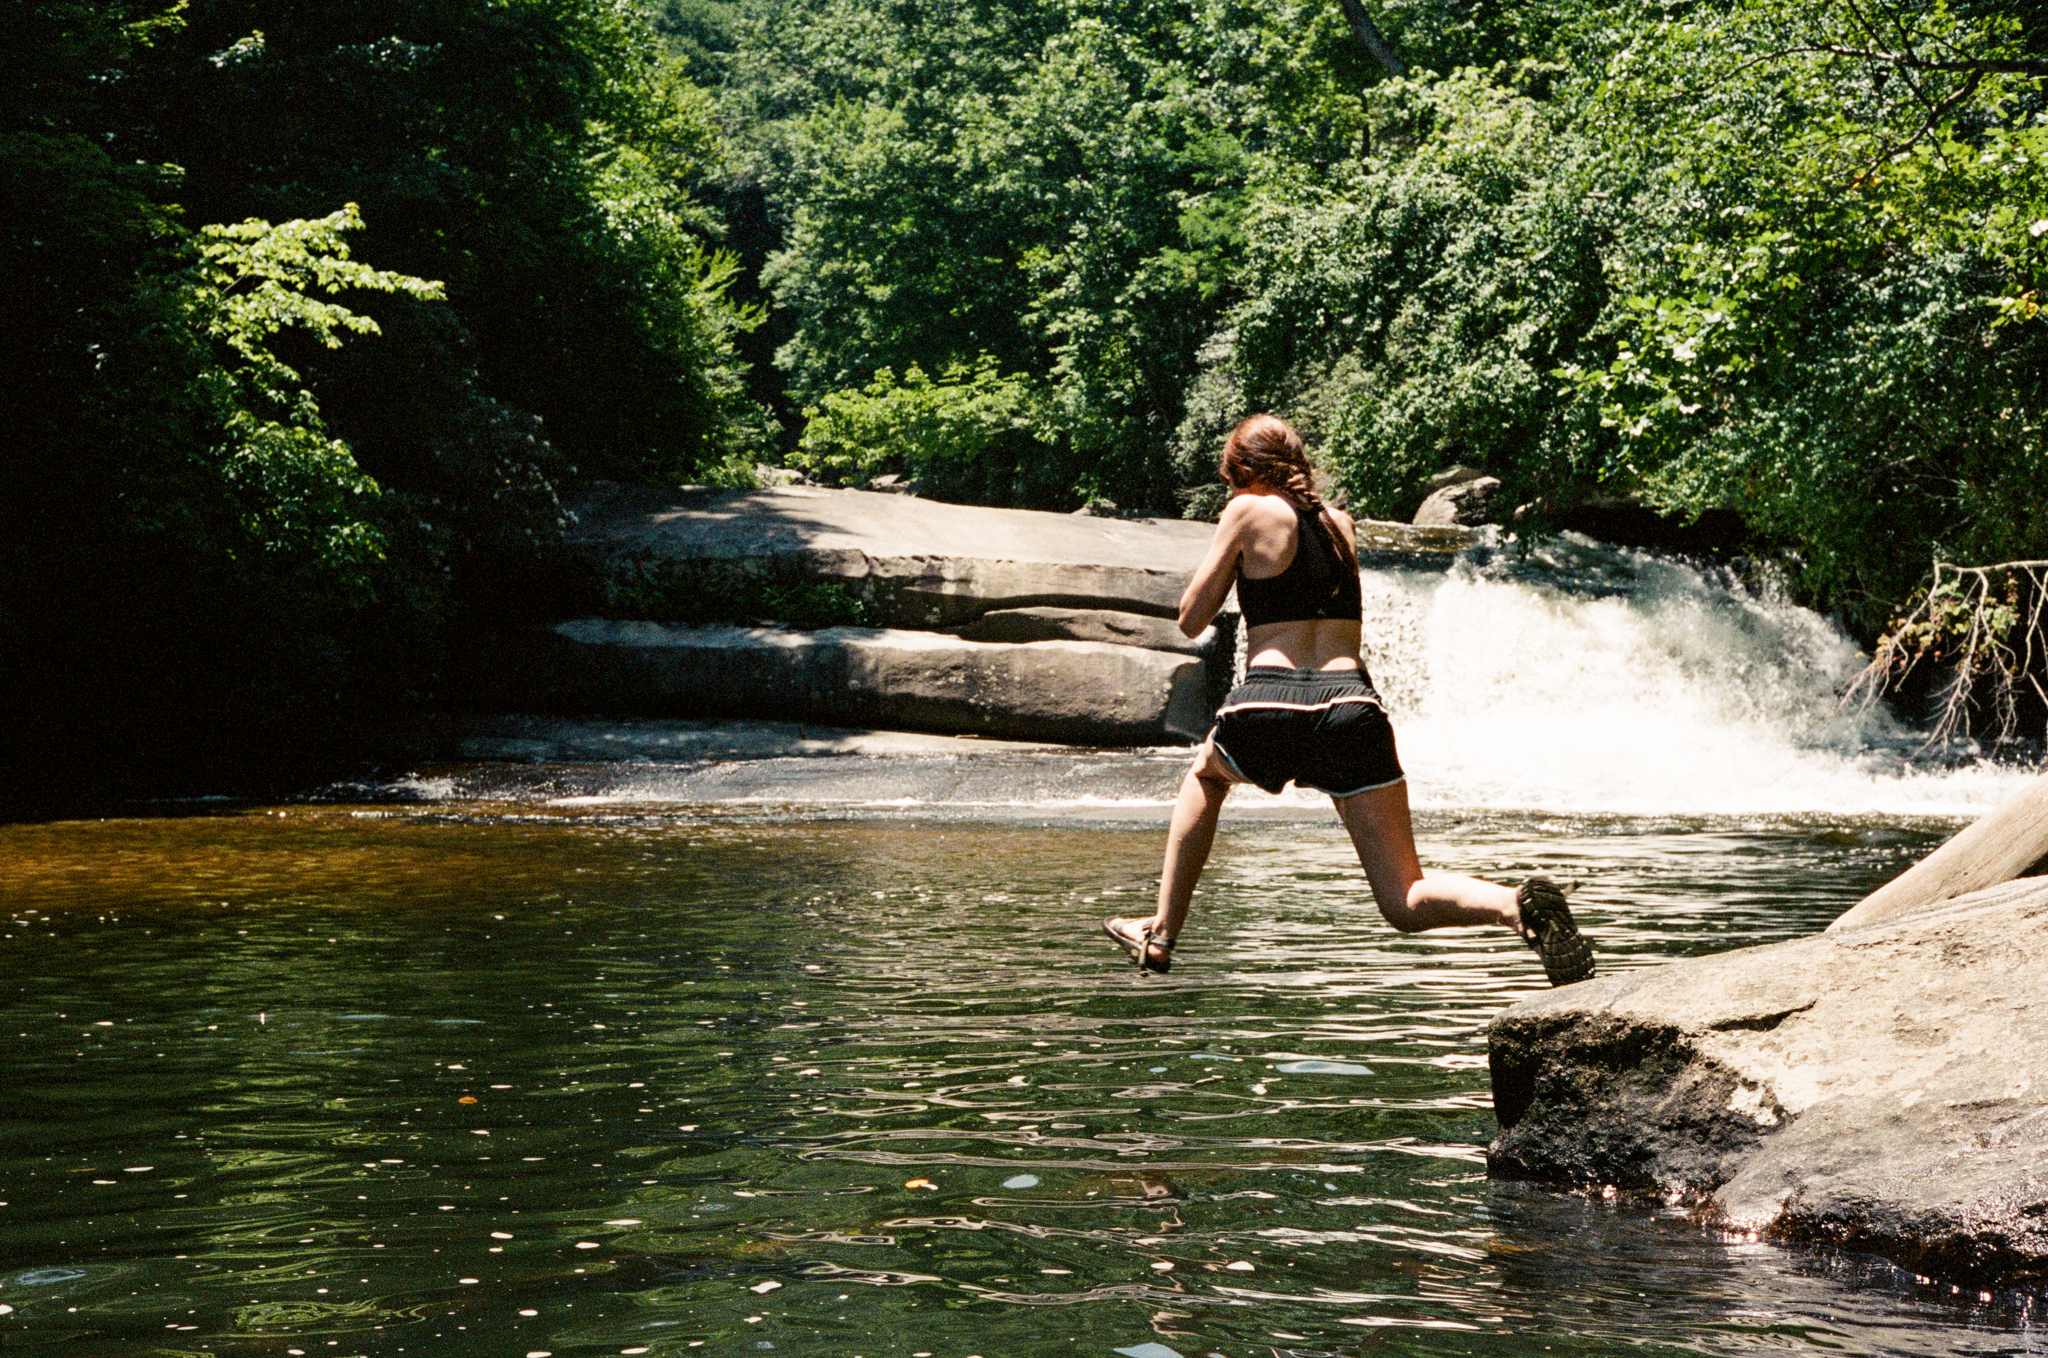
(1253, 508)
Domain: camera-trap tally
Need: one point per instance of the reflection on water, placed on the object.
(582, 1073)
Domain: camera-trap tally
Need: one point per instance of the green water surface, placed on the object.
(496, 1079)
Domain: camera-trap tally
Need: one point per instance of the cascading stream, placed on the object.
(1590, 679)
(1564, 677)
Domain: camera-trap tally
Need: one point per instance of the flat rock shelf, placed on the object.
(1881, 1088)
(1006, 623)
(1073, 692)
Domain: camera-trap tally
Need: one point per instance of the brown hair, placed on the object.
(1265, 453)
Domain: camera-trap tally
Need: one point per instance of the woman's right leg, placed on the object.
(1190, 834)
(1385, 839)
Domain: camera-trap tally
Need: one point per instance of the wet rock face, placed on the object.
(1656, 1116)
(1882, 1089)
(1070, 692)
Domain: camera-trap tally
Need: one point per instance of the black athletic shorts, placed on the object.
(1320, 729)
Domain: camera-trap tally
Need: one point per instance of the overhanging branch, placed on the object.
(1912, 61)
(1988, 625)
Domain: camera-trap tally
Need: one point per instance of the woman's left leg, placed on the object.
(1384, 835)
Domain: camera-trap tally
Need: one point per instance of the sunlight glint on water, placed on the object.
(456, 1081)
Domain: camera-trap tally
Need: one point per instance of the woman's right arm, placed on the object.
(1203, 599)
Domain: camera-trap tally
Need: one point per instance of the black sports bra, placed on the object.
(1315, 584)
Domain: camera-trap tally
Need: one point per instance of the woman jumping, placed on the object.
(1307, 713)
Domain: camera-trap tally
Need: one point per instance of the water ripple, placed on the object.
(508, 1078)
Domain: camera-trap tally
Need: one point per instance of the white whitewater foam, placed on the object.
(1628, 683)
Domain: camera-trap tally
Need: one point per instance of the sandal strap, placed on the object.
(1142, 941)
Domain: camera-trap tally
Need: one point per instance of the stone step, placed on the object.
(913, 562)
(1071, 692)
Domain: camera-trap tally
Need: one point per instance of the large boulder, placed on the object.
(1071, 692)
(1883, 1087)
(1063, 621)
(1217, 645)
(1469, 502)
(913, 562)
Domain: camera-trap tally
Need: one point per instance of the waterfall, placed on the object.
(1581, 678)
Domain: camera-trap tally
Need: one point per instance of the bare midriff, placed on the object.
(1307, 644)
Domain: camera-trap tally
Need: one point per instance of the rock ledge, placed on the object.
(1882, 1089)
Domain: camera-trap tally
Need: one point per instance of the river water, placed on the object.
(826, 1056)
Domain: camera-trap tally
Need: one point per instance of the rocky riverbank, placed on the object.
(949, 619)
(1882, 1087)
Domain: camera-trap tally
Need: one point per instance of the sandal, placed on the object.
(1139, 942)
(1548, 926)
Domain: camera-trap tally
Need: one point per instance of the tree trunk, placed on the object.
(1368, 35)
(2010, 842)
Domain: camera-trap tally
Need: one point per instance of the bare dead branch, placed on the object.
(1990, 661)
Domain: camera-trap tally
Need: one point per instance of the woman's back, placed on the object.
(1274, 536)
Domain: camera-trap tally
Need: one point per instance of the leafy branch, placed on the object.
(1908, 60)
(1885, 40)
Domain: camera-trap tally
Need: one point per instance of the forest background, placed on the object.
(313, 311)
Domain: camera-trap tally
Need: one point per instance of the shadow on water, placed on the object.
(584, 1071)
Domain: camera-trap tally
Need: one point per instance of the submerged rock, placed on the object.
(1881, 1088)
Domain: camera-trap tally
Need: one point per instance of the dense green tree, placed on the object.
(1056, 190)
(313, 308)
(1780, 259)
(537, 156)
(1409, 310)
(189, 544)
(1829, 315)
(234, 531)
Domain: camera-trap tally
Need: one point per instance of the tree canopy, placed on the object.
(310, 309)
(1747, 254)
